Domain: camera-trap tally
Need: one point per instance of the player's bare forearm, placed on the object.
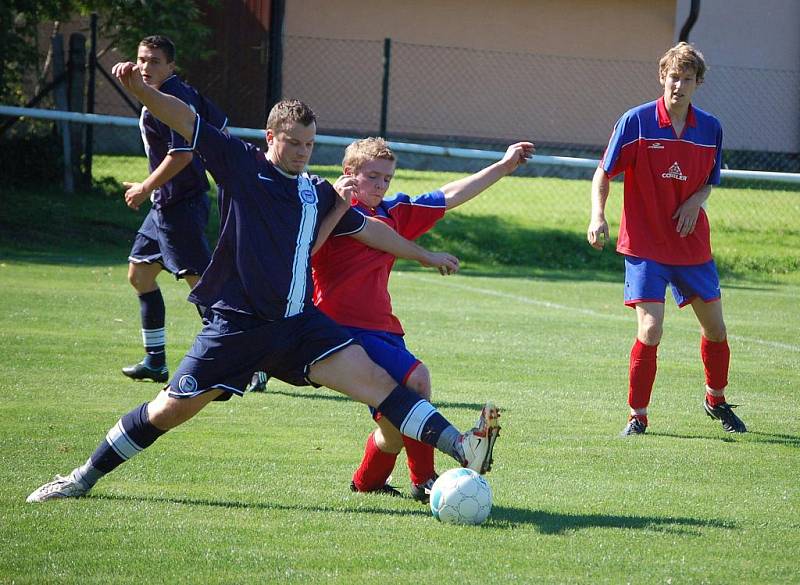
(172, 164)
(462, 190)
(326, 227)
(377, 234)
(169, 109)
(597, 234)
(138, 193)
(687, 213)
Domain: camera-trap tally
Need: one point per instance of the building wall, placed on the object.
(753, 85)
(557, 71)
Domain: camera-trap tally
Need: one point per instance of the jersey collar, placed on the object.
(663, 115)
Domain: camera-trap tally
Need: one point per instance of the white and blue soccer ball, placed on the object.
(461, 496)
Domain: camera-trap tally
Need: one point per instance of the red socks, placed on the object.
(420, 460)
(716, 356)
(375, 468)
(642, 374)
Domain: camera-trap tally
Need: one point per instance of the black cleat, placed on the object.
(422, 492)
(635, 426)
(724, 412)
(385, 489)
(258, 383)
(142, 372)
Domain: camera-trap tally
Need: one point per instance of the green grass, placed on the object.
(256, 489)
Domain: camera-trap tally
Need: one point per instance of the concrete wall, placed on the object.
(553, 71)
(753, 86)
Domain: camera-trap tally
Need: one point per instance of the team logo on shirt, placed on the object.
(187, 384)
(674, 172)
(308, 196)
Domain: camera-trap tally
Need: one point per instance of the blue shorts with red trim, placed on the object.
(231, 346)
(646, 282)
(389, 351)
(175, 237)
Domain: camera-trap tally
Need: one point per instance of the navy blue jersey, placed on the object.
(269, 223)
(159, 140)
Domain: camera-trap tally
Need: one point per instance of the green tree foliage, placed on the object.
(122, 24)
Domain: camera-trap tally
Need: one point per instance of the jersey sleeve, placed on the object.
(416, 215)
(213, 115)
(155, 132)
(224, 155)
(621, 150)
(714, 176)
(352, 222)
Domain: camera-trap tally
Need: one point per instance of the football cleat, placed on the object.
(258, 383)
(422, 491)
(142, 372)
(478, 443)
(60, 487)
(724, 412)
(635, 426)
(384, 489)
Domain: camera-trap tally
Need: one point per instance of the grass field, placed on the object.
(256, 489)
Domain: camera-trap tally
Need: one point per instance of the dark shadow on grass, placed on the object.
(770, 438)
(232, 504)
(502, 517)
(330, 395)
(552, 523)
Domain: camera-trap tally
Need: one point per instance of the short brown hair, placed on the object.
(683, 56)
(160, 42)
(365, 150)
(290, 112)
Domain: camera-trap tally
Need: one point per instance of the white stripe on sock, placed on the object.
(416, 418)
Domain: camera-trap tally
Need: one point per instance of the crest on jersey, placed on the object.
(308, 196)
(674, 172)
(187, 384)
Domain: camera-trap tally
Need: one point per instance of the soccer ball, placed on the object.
(461, 496)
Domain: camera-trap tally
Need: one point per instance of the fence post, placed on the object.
(275, 66)
(90, 97)
(77, 97)
(387, 66)
(60, 98)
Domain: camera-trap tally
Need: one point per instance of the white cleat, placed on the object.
(60, 487)
(478, 443)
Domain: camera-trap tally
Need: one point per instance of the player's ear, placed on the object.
(348, 170)
(270, 136)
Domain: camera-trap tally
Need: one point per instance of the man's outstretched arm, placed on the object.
(170, 110)
(377, 234)
(464, 189)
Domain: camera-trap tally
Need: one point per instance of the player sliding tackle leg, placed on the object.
(271, 212)
(351, 286)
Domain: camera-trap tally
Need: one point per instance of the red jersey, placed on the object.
(351, 280)
(662, 171)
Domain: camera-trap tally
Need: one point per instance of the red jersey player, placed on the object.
(670, 153)
(351, 286)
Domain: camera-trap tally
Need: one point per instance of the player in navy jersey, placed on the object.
(671, 154)
(257, 292)
(172, 236)
(351, 286)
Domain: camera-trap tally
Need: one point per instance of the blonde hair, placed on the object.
(365, 150)
(683, 56)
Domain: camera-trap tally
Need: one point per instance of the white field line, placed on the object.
(574, 310)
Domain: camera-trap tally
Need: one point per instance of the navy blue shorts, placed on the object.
(175, 237)
(231, 346)
(646, 282)
(389, 351)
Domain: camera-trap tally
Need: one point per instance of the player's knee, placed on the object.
(388, 440)
(717, 332)
(142, 278)
(420, 381)
(650, 332)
